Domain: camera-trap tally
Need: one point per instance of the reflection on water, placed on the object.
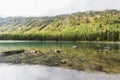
(13, 45)
(35, 72)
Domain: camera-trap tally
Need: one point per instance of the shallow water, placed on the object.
(6, 45)
(35, 72)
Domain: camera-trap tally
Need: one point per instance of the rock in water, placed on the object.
(57, 51)
(106, 48)
(64, 61)
(75, 47)
(33, 51)
(97, 67)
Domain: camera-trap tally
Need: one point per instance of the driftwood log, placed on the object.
(8, 53)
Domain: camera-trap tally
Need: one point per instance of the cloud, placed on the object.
(53, 7)
(102, 4)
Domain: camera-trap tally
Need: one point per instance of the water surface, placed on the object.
(13, 45)
(87, 50)
(35, 72)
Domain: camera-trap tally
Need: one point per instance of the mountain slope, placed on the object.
(90, 25)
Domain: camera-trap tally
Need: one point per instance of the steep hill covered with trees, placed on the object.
(84, 26)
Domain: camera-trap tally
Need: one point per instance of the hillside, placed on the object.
(88, 26)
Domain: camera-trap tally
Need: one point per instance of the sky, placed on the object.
(53, 7)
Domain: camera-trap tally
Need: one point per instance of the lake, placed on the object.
(36, 72)
(100, 57)
(13, 45)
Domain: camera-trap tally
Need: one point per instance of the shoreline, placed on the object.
(117, 42)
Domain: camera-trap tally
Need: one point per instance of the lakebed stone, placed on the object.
(96, 67)
(64, 61)
(75, 47)
(57, 51)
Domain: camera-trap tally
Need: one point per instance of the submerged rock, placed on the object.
(83, 60)
(57, 51)
(107, 48)
(33, 51)
(97, 67)
(75, 47)
(64, 61)
(56, 64)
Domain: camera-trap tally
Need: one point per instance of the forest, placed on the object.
(80, 26)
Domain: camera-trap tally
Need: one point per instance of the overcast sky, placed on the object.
(53, 7)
